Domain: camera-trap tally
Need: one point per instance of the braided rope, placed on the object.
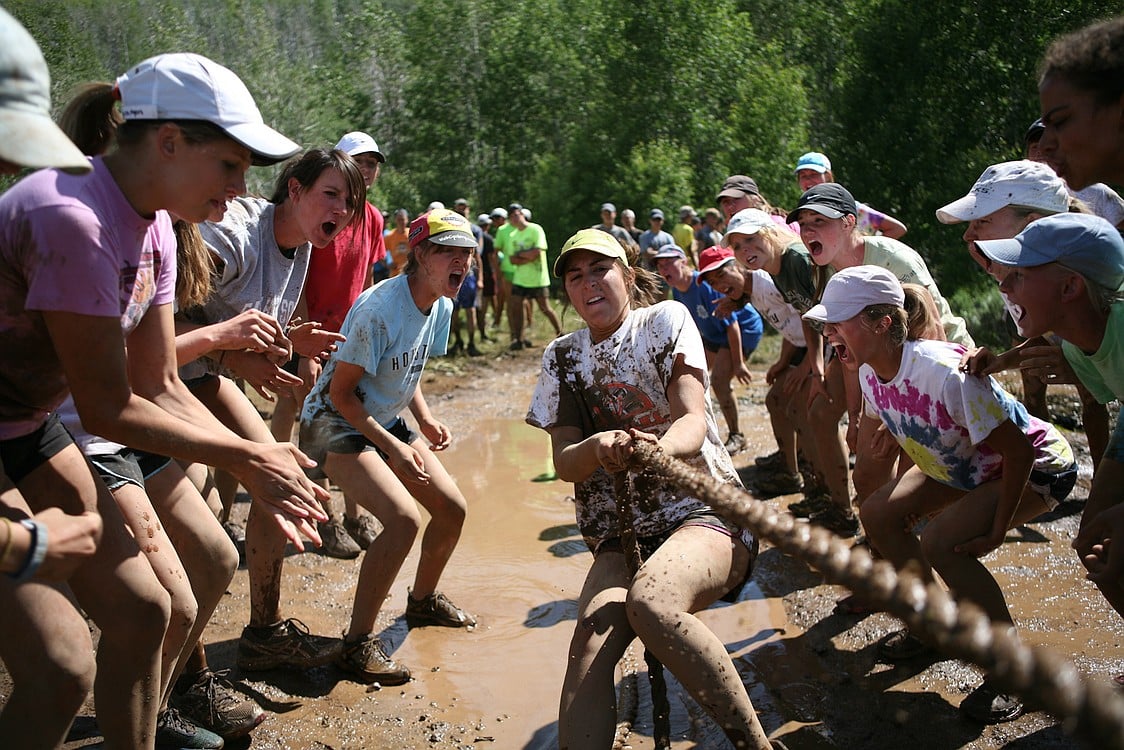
(1090, 711)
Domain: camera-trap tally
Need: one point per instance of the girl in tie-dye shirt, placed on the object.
(981, 464)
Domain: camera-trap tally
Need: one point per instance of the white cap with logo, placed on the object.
(1025, 183)
(186, 86)
(28, 135)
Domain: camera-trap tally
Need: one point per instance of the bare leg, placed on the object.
(721, 373)
(660, 606)
(587, 716)
(784, 431)
(823, 418)
(548, 311)
(45, 645)
(367, 478)
(118, 590)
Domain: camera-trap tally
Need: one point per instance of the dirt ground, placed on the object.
(813, 675)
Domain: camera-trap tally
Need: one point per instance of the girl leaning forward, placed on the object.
(352, 422)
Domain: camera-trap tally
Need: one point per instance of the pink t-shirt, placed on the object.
(70, 244)
(336, 272)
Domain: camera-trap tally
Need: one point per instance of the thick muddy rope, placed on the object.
(1090, 711)
(661, 709)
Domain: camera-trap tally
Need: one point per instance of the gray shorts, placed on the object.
(333, 434)
(128, 466)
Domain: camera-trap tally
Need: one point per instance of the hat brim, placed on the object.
(1010, 252)
(34, 140)
(567, 253)
(266, 144)
(967, 208)
(452, 238)
(715, 266)
(732, 192)
(828, 211)
(811, 167)
(820, 314)
(670, 254)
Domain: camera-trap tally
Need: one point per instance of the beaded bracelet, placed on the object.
(38, 551)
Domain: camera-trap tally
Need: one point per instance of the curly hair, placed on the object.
(1092, 59)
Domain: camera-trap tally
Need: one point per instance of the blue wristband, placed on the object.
(36, 554)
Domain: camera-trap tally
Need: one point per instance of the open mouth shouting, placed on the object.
(815, 248)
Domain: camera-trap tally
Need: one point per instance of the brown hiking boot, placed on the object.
(436, 609)
(367, 661)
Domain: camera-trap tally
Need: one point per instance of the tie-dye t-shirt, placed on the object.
(70, 244)
(941, 416)
(617, 384)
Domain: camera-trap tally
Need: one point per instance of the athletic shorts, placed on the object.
(529, 292)
(332, 434)
(23, 455)
(128, 466)
(702, 517)
(1053, 487)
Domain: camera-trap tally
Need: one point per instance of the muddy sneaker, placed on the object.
(286, 644)
(336, 542)
(833, 518)
(363, 529)
(777, 483)
(810, 505)
(436, 609)
(773, 461)
(212, 702)
(735, 443)
(175, 731)
(367, 661)
(987, 705)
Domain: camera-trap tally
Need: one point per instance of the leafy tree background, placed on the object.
(564, 105)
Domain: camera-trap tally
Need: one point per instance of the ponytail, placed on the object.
(91, 118)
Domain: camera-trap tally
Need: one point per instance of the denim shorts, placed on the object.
(702, 517)
(333, 434)
(23, 455)
(128, 466)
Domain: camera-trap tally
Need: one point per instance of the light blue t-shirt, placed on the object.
(391, 339)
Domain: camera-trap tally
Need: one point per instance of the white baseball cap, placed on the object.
(749, 221)
(852, 290)
(185, 86)
(357, 142)
(1010, 183)
(28, 135)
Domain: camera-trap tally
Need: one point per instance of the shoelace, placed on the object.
(172, 720)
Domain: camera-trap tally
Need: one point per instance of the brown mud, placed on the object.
(813, 675)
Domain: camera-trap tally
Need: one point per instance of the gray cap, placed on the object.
(28, 135)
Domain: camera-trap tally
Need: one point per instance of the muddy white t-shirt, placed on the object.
(70, 244)
(768, 300)
(621, 383)
(941, 416)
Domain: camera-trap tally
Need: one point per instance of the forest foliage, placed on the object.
(562, 105)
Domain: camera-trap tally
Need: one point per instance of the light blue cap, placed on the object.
(815, 161)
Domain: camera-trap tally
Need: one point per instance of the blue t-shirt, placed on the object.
(701, 298)
(391, 339)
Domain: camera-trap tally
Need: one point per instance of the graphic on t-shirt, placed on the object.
(629, 405)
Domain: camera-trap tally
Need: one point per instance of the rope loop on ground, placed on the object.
(1090, 711)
